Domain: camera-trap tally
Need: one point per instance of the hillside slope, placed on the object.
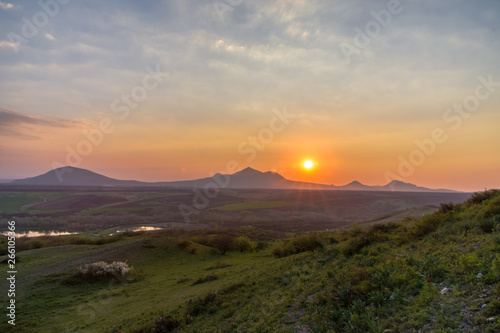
(439, 273)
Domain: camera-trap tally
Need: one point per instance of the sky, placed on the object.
(173, 90)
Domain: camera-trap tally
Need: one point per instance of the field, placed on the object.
(13, 202)
(437, 273)
(255, 205)
(288, 211)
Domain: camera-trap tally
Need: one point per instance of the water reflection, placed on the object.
(144, 228)
(31, 234)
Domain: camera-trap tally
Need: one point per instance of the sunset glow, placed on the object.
(308, 164)
(176, 90)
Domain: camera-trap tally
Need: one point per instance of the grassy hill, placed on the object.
(438, 273)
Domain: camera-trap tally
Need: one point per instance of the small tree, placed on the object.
(223, 243)
(308, 242)
(244, 244)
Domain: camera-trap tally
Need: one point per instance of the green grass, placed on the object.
(255, 205)
(50, 305)
(382, 277)
(11, 202)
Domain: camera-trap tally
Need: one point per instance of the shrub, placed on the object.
(304, 243)
(354, 245)
(103, 271)
(487, 225)
(492, 208)
(426, 225)
(309, 242)
(207, 304)
(261, 246)
(165, 324)
(244, 244)
(467, 226)
(282, 251)
(446, 207)
(478, 197)
(223, 243)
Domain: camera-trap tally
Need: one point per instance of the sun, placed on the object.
(308, 164)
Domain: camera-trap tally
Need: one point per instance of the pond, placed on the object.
(144, 228)
(40, 233)
(32, 233)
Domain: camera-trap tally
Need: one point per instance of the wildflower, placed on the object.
(429, 280)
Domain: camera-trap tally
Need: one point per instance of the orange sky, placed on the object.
(160, 92)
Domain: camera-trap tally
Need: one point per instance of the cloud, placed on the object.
(6, 5)
(20, 125)
(6, 44)
(49, 36)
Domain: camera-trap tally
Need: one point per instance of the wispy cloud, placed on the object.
(23, 126)
(6, 43)
(6, 5)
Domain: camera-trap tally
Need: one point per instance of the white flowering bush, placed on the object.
(104, 271)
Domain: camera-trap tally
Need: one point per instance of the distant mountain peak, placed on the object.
(69, 168)
(246, 178)
(70, 176)
(248, 170)
(395, 181)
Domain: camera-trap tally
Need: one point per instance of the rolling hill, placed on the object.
(71, 176)
(436, 273)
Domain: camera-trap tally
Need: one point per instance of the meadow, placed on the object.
(288, 211)
(435, 273)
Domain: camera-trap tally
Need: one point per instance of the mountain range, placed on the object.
(245, 179)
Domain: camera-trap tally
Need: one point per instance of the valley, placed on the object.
(87, 209)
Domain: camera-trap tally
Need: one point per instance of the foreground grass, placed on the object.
(439, 273)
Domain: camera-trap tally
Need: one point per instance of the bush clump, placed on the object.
(478, 197)
(244, 244)
(223, 243)
(303, 243)
(99, 271)
(487, 225)
(207, 304)
(165, 324)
